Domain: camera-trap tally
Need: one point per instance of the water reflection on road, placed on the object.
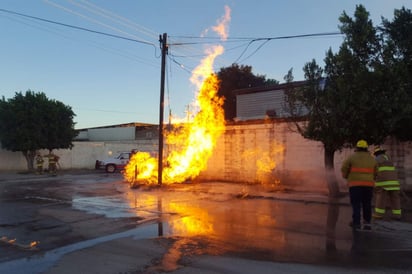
(257, 228)
(215, 218)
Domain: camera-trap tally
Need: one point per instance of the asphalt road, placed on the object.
(91, 222)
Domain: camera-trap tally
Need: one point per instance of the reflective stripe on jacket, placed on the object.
(52, 159)
(360, 169)
(387, 176)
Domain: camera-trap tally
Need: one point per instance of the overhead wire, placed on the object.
(234, 39)
(34, 20)
(185, 50)
(107, 111)
(180, 65)
(94, 9)
(97, 11)
(238, 39)
(103, 47)
(264, 40)
(121, 20)
(37, 24)
(247, 47)
(177, 46)
(204, 54)
(168, 71)
(79, 28)
(279, 38)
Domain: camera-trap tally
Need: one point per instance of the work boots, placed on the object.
(357, 227)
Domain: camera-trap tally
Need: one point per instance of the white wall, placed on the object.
(237, 156)
(82, 155)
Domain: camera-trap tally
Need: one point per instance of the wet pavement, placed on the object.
(91, 222)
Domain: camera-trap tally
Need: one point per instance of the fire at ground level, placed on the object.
(96, 223)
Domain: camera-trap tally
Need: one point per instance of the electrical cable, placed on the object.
(205, 40)
(183, 67)
(252, 39)
(78, 28)
(168, 90)
(281, 38)
(84, 16)
(233, 39)
(93, 8)
(42, 27)
(106, 111)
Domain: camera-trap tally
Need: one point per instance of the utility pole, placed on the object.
(163, 46)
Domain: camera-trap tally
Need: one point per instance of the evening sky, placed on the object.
(112, 80)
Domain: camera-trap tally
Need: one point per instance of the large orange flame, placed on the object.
(191, 144)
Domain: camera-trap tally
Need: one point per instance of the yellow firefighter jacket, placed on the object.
(387, 176)
(360, 169)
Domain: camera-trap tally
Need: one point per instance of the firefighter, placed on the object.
(39, 163)
(53, 161)
(360, 170)
(386, 186)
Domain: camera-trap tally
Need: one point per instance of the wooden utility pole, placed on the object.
(163, 45)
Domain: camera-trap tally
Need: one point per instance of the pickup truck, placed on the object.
(111, 164)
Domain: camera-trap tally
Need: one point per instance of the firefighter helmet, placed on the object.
(362, 144)
(378, 150)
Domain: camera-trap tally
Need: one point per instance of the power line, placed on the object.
(251, 39)
(230, 39)
(256, 50)
(206, 40)
(179, 64)
(95, 10)
(264, 40)
(106, 111)
(47, 28)
(78, 28)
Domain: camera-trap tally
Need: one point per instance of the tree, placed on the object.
(31, 121)
(350, 99)
(237, 77)
(397, 63)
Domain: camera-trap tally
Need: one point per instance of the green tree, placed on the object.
(349, 99)
(238, 77)
(31, 121)
(397, 67)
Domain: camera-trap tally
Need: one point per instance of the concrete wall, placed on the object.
(268, 153)
(262, 152)
(82, 155)
(293, 161)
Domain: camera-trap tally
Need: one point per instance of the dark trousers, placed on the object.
(361, 199)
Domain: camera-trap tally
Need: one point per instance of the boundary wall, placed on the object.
(266, 152)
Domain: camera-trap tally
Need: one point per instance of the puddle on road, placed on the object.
(109, 206)
(258, 229)
(119, 206)
(40, 263)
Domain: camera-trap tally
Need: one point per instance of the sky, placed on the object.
(111, 80)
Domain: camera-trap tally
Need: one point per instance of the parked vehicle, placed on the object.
(112, 164)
